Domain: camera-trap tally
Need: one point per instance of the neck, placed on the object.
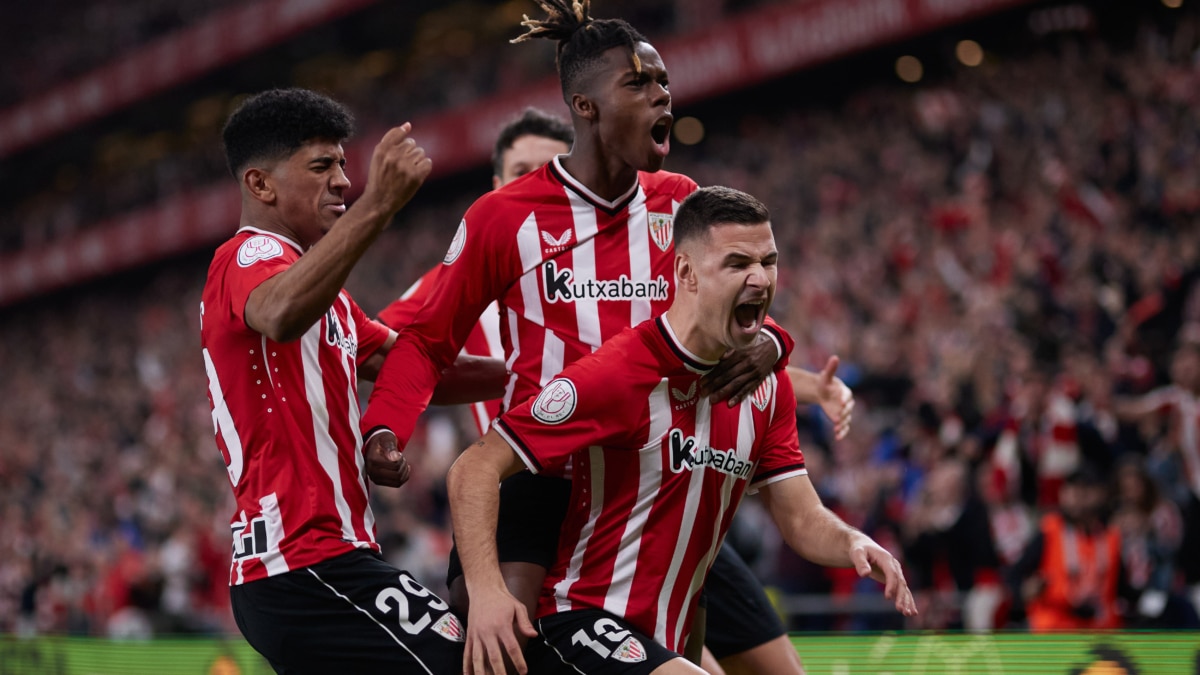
(264, 222)
(685, 323)
(607, 176)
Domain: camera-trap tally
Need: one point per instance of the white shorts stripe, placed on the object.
(372, 618)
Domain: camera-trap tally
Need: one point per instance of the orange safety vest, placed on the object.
(1076, 566)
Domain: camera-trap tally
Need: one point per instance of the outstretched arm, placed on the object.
(289, 303)
(471, 379)
(495, 615)
(816, 533)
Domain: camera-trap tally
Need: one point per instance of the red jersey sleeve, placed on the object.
(784, 341)
(781, 456)
(258, 258)
(581, 408)
(481, 263)
(404, 309)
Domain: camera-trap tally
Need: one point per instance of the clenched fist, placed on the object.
(398, 167)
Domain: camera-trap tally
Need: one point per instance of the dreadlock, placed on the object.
(581, 39)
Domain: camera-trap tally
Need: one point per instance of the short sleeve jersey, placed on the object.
(484, 339)
(286, 416)
(657, 475)
(569, 269)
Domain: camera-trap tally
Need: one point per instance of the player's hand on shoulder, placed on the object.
(386, 465)
(740, 372)
(871, 559)
(398, 168)
(496, 617)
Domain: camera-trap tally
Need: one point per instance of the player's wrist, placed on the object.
(375, 431)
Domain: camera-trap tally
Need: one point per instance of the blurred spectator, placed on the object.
(1068, 577)
(954, 570)
(1151, 529)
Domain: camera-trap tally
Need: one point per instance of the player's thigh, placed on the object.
(532, 509)
(740, 616)
(354, 613)
(777, 656)
(594, 642)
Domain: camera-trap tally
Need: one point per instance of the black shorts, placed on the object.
(350, 614)
(532, 509)
(739, 615)
(592, 641)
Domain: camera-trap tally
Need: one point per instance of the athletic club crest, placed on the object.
(661, 229)
(449, 627)
(762, 395)
(630, 651)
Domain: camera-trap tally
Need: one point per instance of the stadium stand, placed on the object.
(998, 253)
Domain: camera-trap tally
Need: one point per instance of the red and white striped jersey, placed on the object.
(569, 269)
(484, 339)
(657, 474)
(286, 416)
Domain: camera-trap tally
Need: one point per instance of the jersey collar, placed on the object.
(573, 184)
(691, 361)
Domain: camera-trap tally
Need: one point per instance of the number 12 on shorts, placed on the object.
(627, 648)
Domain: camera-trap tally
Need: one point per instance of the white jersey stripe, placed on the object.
(552, 357)
(639, 256)
(649, 483)
(372, 618)
(695, 489)
(530, 247)
(223, 421)
(514, 332)
(273, 559)
(350, 368)
(583, 260)
(563, 588)
(327, 454)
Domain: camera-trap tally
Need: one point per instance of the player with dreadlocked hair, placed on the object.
(575, 253)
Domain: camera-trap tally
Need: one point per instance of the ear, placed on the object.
(685, 271)
(259, 185)
(583, 107)
(496, 182)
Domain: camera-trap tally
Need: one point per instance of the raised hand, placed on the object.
(835, 398)
(398, 167)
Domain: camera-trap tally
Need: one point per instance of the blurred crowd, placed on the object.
(1005, 260)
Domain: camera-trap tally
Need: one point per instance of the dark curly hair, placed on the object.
(581, 39)
(275, 123)
(709, 206)
(532, 122)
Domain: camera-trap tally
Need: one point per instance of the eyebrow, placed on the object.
(739, 257)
